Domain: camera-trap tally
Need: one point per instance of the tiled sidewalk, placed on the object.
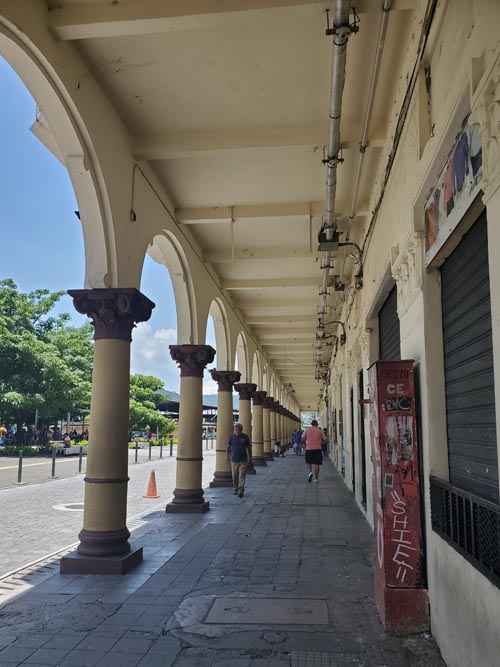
(280, 578)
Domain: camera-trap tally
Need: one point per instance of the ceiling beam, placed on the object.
(225, 256)
(182, 145)
(270, 283)
(281, 319)
(265, 343)
(112, 19)
(264, 334)
(193, 216)
(263, 304)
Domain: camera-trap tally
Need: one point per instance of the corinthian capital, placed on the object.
(114, 312)
(225, 379)
(245, 390)
(192, 359)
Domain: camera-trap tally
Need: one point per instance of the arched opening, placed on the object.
(59, 127)
(241, 363)
(166, 250)
(221, 330)
(256, 377)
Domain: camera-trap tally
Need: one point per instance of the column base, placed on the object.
(76, 563)
(268, 456)
(403, 611)
(259, 461)
(187, 501)
(221, 479)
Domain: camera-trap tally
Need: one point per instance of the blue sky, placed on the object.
(41, 238)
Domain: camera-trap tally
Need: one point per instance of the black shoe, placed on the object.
(235, 492)
(240, 494)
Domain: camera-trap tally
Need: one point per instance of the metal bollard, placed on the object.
(171, 446)
(136, 449)
(161, 448)
(54, 451)
(150, 451)
(80, 460)
(20, 469)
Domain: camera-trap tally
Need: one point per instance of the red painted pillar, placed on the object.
(400, 591)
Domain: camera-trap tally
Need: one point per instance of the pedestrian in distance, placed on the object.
(239, 452)
(297, 441)
(313, 438)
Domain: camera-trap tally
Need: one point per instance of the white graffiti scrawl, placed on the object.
(400, 536)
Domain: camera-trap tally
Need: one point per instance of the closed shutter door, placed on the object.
(389, 334)
(468, 359)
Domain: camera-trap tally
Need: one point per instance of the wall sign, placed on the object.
(458, 184)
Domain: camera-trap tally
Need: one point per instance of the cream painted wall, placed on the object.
(462, 50)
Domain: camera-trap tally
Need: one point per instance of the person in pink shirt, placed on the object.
(313, 437)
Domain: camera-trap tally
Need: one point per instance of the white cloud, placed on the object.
(150, 354)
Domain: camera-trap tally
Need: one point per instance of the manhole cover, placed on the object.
(268, 611)
(69, 507)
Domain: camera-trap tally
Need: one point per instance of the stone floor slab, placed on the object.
(268, 611)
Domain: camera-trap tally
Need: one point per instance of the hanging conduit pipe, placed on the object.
(342, 32)
(386, 8)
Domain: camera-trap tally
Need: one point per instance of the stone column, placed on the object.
(104, 546)
(188, 493)
(266, 428)
(225, 381)
(277, 409)
(272, 423)
(257, 429)
(245, 391)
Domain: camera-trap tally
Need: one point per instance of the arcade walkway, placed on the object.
(280, 578)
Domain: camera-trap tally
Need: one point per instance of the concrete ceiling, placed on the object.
(229, 102)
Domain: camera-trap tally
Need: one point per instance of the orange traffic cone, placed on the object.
(152, 492)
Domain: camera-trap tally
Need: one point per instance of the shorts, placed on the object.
(314, 456)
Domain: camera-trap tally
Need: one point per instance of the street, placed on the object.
(35, 521)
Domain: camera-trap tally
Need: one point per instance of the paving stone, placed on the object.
(83, 658)
(45, 656)
(286, 541)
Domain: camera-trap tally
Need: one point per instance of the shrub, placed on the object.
(14, 451)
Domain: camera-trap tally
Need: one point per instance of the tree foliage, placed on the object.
(44, 363)
(145, 396)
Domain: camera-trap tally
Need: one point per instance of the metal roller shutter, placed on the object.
(468, 359)
(389, 333)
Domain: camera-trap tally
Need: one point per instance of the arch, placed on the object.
(242, 356)
(256, 377)
(221, 328)
(166, 250)
(60, 127)
(265, 378)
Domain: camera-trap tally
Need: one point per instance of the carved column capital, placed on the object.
(269, 403)
(114, 312)
(258, 397)
(192, 359)
(225, 379)
(245, 390)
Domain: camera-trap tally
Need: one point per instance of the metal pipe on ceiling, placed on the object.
(386, 8)
(342, 32)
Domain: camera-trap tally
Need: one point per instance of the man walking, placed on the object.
(313, 437)
(239, 451)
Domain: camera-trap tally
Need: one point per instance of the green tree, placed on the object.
(145, 396)
(44, 364)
